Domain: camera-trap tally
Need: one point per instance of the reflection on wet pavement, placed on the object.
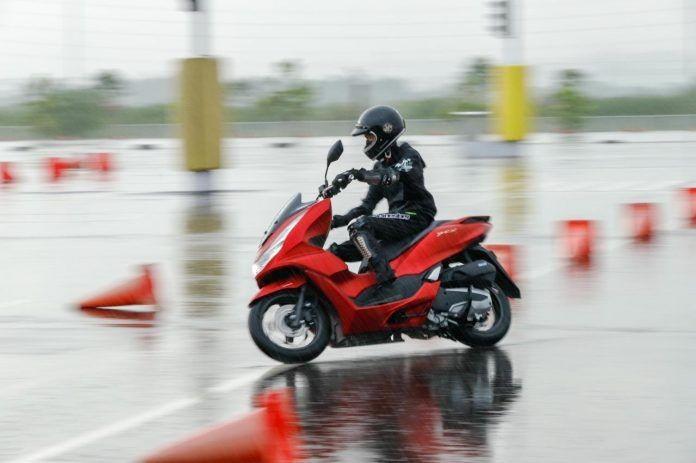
(403, 409)
(203, 259)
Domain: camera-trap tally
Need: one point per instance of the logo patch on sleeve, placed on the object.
(405, 165)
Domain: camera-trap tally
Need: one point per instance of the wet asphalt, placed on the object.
(599, 364)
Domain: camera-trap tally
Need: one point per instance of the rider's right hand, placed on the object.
(328, 191)
(339, 221)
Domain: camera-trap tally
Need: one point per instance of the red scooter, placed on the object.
(447, 285)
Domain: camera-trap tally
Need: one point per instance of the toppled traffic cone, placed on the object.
(58, 166)
(268, 435)
(118, 314)
(139, 291)
(507, 256)
(6, 175)
(691, 205)
(642, 218)
(579, 236)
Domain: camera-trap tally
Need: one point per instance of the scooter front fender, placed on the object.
(291, 281)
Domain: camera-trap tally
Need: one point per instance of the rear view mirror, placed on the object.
(334, 152)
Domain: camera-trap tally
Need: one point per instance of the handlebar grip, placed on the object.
(329, 191)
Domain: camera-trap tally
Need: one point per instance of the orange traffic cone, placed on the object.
(579, 240)
(100, 162)
(118, 314)
(268, 435)
(691, 205)
(6, 175)
(138, 291)
(642, 217)
(55, 169)
(507, 256)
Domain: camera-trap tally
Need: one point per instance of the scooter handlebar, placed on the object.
(340, 182)
(328, 191)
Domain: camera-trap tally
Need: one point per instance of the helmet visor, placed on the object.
(359, 130)
(370, 141)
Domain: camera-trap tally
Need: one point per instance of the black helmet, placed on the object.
(385, 123)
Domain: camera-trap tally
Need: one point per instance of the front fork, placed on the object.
(299, 313)
(296, 319)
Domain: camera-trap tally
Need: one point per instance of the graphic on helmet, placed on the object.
(381, 126)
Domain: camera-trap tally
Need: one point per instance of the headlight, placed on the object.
(275, 246)
(266, 257)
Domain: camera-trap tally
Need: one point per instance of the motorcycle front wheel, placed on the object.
(488, 332)
(271, 328)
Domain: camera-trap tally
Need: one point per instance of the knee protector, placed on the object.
(362, 243)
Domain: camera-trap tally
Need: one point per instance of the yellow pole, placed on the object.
(511, 107)
(201, 113)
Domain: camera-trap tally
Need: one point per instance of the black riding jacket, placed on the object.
(399, 180)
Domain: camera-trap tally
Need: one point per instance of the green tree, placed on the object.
(474, 83)
(569, 102)
(66, 113)
(110, 85)
(57, 111)
(108, 81)
(292, 101)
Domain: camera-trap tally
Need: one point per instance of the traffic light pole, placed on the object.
(511, 105)
(200, 29)
(512, 41)
(201, 102)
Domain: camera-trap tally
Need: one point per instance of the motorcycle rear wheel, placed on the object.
(490, 332)
(316, 333)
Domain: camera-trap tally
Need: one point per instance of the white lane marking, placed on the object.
(234, 383)
(106, 431)
(134, 421)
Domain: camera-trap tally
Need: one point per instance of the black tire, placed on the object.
(472, 337)
(321, 329)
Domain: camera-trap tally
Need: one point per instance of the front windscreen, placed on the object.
(293, 205)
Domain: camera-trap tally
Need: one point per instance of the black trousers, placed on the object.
(385, 228)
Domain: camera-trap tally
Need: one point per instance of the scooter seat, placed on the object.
(393, 250)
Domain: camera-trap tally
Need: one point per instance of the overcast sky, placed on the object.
(621, 42)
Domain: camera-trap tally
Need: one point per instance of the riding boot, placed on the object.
(371, 250)
(384, 272)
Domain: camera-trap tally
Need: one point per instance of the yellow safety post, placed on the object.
(201, 113)
(511, 108)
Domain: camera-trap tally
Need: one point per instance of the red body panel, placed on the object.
(291, 281)
(355, 319)
(441, 243)
(340, 286)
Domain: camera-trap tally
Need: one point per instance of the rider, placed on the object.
(396, 176)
